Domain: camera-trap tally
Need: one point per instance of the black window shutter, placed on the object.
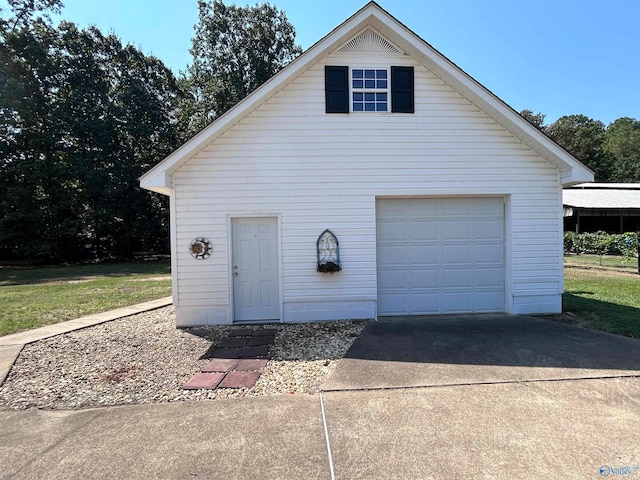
(336, 89)
(402, 90)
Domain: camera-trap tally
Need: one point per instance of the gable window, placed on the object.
(369, 90)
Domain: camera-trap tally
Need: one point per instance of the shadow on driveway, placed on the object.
(454, 350)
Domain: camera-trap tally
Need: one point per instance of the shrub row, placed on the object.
(601, 243)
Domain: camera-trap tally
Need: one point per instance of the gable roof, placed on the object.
(372, 15)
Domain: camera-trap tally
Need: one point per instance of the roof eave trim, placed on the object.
(574, 176)
(157, 181)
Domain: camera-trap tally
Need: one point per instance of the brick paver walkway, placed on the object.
(238, 361)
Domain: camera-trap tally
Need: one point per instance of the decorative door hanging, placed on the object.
(328, 253)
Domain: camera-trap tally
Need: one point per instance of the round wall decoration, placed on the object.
(200, 248)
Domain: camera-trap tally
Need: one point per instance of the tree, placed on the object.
(117, 107)
(82, 117)
(30, 196)
(535, 119)
(235, 50)
(584, 138)
(623, 145)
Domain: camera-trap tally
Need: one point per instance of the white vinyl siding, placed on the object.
(318, 171)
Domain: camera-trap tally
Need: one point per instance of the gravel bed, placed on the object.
(144, 358)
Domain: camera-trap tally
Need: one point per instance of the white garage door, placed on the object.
(442, 255)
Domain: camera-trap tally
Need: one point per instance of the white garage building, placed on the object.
(370, 177)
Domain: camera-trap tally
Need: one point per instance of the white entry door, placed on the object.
(256, 294)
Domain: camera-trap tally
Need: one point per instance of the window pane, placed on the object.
(364, 83)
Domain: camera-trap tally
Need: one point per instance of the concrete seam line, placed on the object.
(5, 373)
(498, 382)
(326, 437)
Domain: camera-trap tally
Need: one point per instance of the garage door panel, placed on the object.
(392, 231)
(454, 207)
(489, 229)
(395, 304)
(419, 209)
(443, 255)
(393, 209)
(422, 255)
(457, 302)
(393, 279)
(488, 207)
(392, 255)
(489, 253)
(456, 278)
(425, 303)
(486, 301)
(423, 230)
(456, 230)
(424, 279)
(457, 254)
(489, 277)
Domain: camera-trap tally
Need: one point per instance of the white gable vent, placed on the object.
(369, 42)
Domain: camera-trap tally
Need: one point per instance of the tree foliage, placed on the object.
(612, 152)
(623, 147)
(82, 117)
(584, 138)
(235, 50)
(535, 119)
(22, 12)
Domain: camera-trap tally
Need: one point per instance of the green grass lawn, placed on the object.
(606, 261)
(34, 297)
(603, 298)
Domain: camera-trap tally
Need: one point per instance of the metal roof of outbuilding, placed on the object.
(603, 195)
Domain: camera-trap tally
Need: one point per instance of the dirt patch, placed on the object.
(566, 317)
(152, 279)
(579, 271)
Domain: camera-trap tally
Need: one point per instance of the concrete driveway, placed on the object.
(437, 398)
(484, 397)
(480, 349)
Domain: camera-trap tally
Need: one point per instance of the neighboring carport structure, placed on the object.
(610, 207)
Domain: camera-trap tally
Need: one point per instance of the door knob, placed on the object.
(235, 274)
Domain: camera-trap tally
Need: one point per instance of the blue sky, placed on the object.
(558, 57)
